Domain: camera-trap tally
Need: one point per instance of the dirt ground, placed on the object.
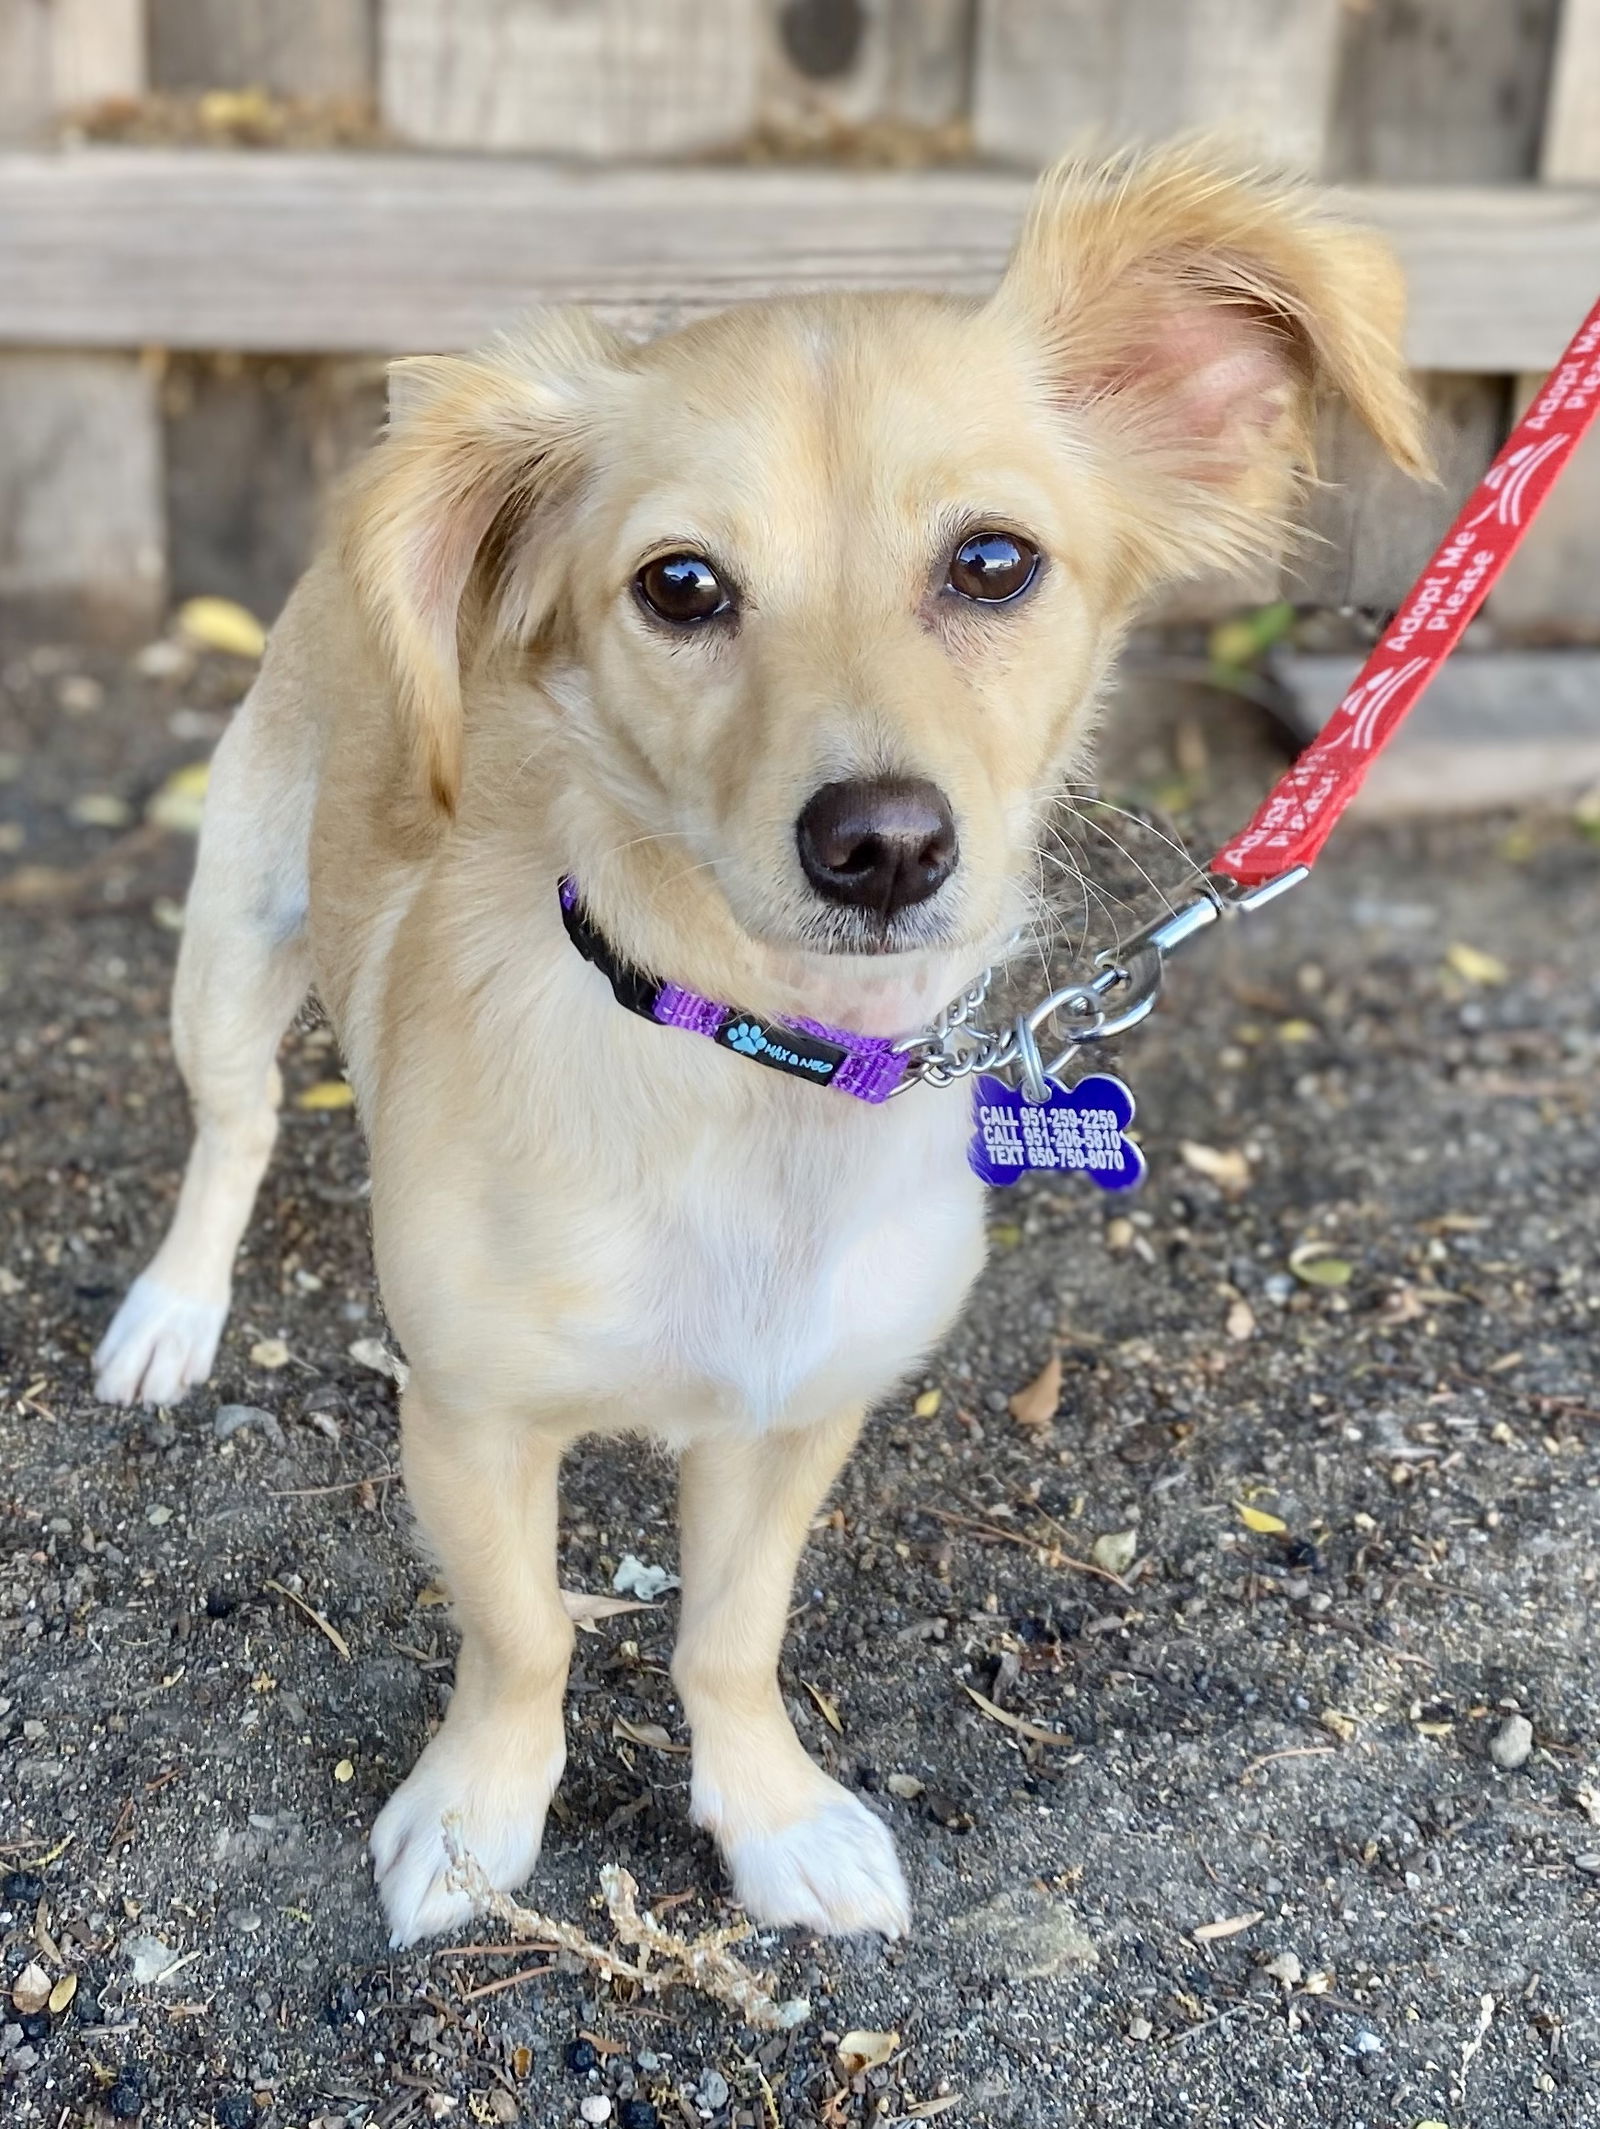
(1328, 1397)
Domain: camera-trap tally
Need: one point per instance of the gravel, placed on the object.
(1299, 1724)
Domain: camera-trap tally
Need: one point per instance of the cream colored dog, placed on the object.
(779, 636)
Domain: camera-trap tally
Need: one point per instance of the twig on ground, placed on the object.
(992, 1531)
(1287, 1752)
(704, 1963)
(325, 1626)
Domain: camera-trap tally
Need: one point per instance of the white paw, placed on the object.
(497, 1815)
(159, 1346)
(836, 1873)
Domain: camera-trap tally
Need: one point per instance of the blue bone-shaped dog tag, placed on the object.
(1080, 1128)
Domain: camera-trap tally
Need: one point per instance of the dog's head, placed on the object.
(802, 611)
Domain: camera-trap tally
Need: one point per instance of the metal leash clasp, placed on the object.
(1119, 995)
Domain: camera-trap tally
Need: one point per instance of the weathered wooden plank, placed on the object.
(81, 522)
(1434, 92)
(1438, 92)
(608, 78)
(309, 48)
(80, 489)
(97, 49)
(1552, 587)
(832, 66)
(190, 248)
(1497, 728)
(1260, 70)
(25, 69)
(1368, 528)
(252, 444)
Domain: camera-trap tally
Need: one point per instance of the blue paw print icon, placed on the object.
(746, 1038)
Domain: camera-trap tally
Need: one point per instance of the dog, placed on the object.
(739, 666)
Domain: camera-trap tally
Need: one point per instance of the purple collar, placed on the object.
(866, 1066)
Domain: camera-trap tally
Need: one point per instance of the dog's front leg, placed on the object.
(799, 1847)
(484, 1488)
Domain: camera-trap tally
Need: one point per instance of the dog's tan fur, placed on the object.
(586, 1223)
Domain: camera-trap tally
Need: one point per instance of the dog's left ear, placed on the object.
(1194, 315)
(438, 525)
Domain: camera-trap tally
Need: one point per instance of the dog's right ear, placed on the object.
(438, 521)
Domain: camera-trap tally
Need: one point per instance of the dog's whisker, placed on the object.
(1123, 851)
(1090, 797)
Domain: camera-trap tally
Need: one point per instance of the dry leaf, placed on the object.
(179, 802)
(1474, 966)
(345, 1771)
(863, 2050)
(222, 625)
(30, 1991)
(327, 1094)
(269, 1353)
(1241, 1323)
(649, 1734)
(1269, 1526)
(928, 1403)
(583, 1607)
(905, 1786)
(1297, 1031)
(1210, 1932)
(374, 1354)
(62, 1994)
(1313, 1267)
(1342, 1726)
(1035, 1404)
(926, 2109)
(825, 1707)
(1115, 1551)
(1030, 1730)
(1225, 1166)
(100, 809)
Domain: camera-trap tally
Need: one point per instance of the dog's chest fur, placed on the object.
(797, 1270)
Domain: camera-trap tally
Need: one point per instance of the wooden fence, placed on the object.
(216, 216)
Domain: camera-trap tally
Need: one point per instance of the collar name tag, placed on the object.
(1082, 1129)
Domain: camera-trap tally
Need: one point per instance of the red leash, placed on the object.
(1299, 814)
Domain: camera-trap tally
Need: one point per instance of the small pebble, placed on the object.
(231, 1419)
(35, 2025)
(1512, 1743)
(582, 2056)
(125, 2100)
(1139, 2027)
(1588, 1864)
(1368, 2043)
(638, 2114)
(596, 2108)
(712, 2090)
(235, 2110)
(21, 1888)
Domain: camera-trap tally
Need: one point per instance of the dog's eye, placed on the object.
(992, 567)
(683, 588)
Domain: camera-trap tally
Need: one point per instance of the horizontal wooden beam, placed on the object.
(189, 248)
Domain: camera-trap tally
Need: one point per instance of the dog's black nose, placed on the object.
(878, 846)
